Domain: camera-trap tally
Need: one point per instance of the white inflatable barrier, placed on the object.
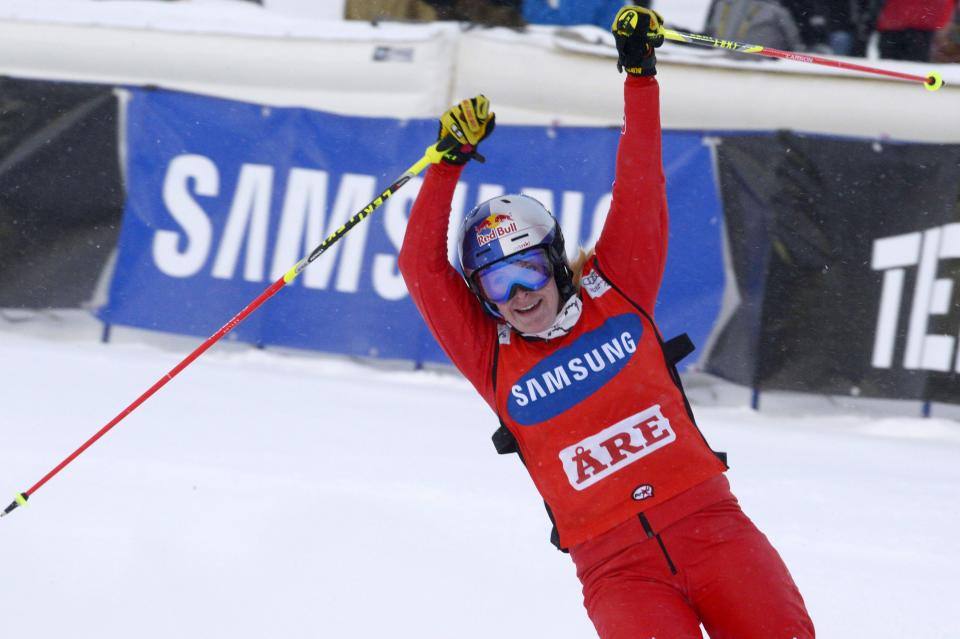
(540, 76)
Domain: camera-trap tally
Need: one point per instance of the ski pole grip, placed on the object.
(446, 143)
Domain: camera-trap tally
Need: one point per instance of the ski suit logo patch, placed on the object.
(616, 447)
(644, 491)
(575, 372)
(594, 285)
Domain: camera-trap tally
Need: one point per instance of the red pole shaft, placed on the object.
(812, 59)
(931, 82)
(432, 155)
(160, 383)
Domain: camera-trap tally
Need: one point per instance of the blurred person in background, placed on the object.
(850, 25)
(907, 27)
(587, 392)
(811, 18)
(763, 22)
(946, 42)
(840, 27)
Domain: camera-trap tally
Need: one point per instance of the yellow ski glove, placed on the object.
(468, 123)
(637, 31)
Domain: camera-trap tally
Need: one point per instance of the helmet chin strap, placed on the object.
(564, 322)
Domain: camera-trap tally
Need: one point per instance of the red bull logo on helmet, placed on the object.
(494, 226)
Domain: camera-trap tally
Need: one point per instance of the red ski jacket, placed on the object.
(599, 416)
(632, 246)
(585, 488)
(926, 15)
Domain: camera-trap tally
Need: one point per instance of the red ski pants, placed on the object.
(712, 567)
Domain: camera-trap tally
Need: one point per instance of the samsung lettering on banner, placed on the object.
(224, 197)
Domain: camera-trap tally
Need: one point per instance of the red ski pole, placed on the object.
(931, 81)
(432, 155)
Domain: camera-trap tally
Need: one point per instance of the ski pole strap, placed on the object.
(676, 348)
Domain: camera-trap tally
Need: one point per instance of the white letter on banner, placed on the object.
(932, 297)
(930, 352)
(188, 214)
(303, 208)
(571, 219)
(387, 281)
(488, 191)
(544, 196)
(891, 255)
(453, 223)
(600, 212)
(354, 193)
(250, 208)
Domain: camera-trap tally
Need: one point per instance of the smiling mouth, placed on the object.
(528, 309)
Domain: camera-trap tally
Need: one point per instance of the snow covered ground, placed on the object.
(265, 494)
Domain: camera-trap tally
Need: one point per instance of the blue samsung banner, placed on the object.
(224, 197)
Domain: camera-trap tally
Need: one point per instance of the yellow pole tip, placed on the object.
(934, 81)
(21, 499)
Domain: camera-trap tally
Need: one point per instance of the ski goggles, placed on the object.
(529, 270)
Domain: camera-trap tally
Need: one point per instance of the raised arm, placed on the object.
(453, 314)
(632, 248)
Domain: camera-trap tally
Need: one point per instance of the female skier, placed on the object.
(587, 392)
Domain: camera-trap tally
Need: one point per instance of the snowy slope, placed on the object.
(265, 494)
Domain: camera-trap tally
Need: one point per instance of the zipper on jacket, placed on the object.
(647, 528)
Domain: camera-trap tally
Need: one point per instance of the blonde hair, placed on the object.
(576, 266)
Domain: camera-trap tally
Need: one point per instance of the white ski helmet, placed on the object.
(503, 226)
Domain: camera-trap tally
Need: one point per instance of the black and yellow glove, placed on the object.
(638, 31)
(467, 123)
